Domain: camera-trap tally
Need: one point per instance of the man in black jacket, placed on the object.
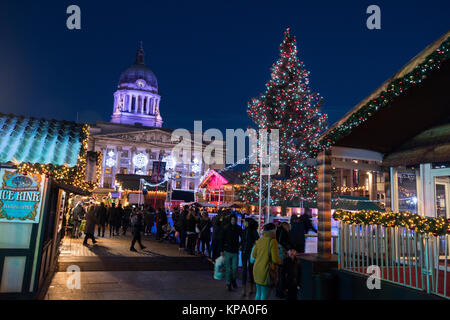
(136, 228)
(111, 219)
(249, 237)
(101, 219)
(299, 227)
(232, 234)
(119, 217)
(285, 244)
(180, 227)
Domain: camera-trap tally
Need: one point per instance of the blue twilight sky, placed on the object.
(210, 57)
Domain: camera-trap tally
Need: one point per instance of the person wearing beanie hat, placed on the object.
(265, 256)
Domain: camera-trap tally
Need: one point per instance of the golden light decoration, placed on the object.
(412, 221)
(71, 175)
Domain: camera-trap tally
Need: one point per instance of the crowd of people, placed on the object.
(117, 220)
(269, 261)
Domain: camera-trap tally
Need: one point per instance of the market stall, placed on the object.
(42, 166)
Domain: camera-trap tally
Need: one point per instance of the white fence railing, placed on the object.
(403, 256)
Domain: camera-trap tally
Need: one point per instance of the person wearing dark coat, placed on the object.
(292, 275)
(118, 219)
(102, 217)
(126, 219)
(249, 237)
(218, 223)
(230, 245)
(162, 221)
(191, 222)
(204, 226)
(78, 214)
(180, 226)
(91, 221)
(285, 244)
(149, 221)
(112, 219)
(136, 229)
(299, 227)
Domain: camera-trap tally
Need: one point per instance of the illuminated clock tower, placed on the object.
(136, 101)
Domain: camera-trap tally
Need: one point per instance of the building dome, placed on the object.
(138, 71)
(136, 100)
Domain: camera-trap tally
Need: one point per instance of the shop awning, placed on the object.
(55, 148)
(430, 146)
(32, 140)
(413, 100)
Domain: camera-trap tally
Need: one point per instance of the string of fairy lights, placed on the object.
(71, 175)
(412, 221)
(394, 89)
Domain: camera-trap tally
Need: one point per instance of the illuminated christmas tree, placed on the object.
(289, 105)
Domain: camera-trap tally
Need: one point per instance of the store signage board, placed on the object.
(20, 196)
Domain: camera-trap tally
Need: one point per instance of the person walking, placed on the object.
(102, 217)
(232, 234)
(266, 257)
(136, 228)
(205, 233)
(299, 227)
(90, 225)
(249, 237)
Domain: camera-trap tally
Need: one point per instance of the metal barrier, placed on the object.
(404, 257)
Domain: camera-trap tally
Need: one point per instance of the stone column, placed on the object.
(102, 176)
(324, 203)
(119, 155)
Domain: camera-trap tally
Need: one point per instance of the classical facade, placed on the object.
(134, 141)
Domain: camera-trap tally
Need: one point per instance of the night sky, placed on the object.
(210, 57)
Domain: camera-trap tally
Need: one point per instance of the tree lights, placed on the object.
(288, 105)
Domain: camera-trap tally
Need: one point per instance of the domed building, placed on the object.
(135, 146)
(136, 100)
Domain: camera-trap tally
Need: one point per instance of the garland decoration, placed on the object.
(412, 221)
(71, 175)
(394, 89)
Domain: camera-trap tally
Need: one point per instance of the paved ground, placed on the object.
(142, 285)
(109, 271)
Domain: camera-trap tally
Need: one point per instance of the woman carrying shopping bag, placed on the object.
(266, 258)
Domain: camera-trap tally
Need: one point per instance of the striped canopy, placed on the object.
(41, 141)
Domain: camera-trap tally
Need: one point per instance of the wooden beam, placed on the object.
(324, 203)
